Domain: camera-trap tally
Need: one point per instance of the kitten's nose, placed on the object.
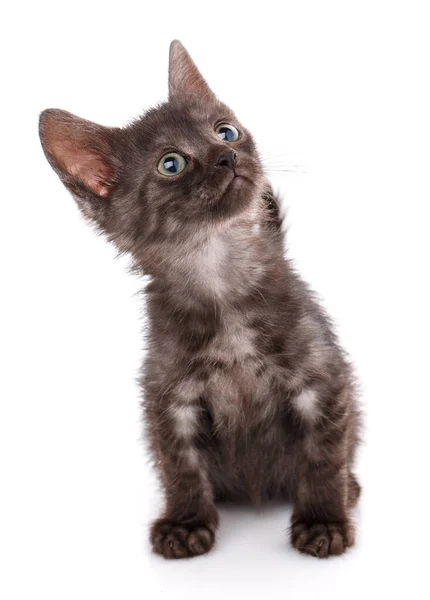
(227, 159)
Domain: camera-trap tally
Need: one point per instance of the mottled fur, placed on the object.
(247, 393)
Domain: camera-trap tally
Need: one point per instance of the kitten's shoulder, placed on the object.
(273, 204)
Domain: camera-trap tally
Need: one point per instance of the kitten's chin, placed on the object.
(239, 180)
(237, 197)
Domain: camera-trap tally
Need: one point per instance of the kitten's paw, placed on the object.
(322, 540)
(179, 540)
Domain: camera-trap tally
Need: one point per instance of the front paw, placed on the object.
(181, 540)
(322, 540)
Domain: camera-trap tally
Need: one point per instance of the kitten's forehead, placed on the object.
(185, 123)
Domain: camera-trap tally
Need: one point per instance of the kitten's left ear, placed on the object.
(185, 79)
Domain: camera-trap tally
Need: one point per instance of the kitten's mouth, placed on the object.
(238, 176)
(234, 187)
(235, 191)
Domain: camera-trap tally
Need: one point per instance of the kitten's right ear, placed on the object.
(184, 77)
(85, 155)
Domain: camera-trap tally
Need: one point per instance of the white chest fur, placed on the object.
(209, 265)
(306, 403)
(221, 263)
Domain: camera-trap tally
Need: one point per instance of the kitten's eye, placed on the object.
(227, 133)
(171, 164)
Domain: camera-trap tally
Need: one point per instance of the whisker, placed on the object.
(280, 170)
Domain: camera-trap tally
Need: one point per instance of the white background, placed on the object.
(338, 88)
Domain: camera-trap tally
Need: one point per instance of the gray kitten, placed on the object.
(247, 394)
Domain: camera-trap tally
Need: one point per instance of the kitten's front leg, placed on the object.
(188, 525)
(326, 490)
(321, 525)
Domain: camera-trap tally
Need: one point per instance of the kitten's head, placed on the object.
(185, 165)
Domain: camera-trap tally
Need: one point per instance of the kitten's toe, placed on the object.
(178, 540)
(322, 540)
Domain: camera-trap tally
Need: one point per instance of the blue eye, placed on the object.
(171, 164)
(227, 133)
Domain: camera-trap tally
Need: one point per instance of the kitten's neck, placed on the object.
(227, 263)
(223, 264)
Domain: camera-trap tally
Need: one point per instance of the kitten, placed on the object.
(247, 393)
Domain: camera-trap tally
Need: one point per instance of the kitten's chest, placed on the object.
(236, 390)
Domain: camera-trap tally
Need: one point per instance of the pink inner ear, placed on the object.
(86, 165)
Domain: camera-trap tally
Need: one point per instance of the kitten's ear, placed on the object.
(83, 154)
(184, 77)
